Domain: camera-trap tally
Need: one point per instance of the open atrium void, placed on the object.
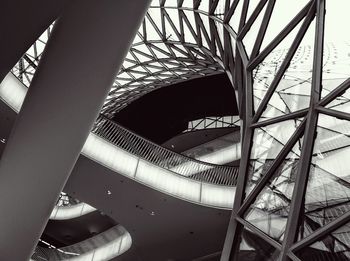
(174, 130)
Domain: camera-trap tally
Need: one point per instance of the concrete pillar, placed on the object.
(87, 47)
(21, 23)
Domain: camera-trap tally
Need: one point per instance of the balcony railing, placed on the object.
(162, 157)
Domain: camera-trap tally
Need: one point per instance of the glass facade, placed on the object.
(295, 147)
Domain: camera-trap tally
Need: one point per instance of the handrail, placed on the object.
(160, 156)
(104, 152)
(134, 144)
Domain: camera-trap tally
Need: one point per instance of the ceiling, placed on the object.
(165, 113)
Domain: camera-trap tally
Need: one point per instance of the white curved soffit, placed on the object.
(12, 91)
(104, 246)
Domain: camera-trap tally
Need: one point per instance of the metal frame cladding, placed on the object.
(292, 87)
(291, 196)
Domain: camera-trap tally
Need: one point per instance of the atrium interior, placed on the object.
(175, 130)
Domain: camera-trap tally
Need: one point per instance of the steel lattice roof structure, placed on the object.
(176, 42)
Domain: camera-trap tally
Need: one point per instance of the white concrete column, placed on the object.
(85, 51)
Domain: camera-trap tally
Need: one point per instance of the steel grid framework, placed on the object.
(293, 190)
(292, 195)
(177, 41)
(213, 122)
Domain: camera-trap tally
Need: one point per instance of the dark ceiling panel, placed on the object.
(164, 113)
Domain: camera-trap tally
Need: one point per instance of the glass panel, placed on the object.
(267, 143)
(333, 247)
(341, 103)
(235, 19)
(336, 57)
(204, 5)
(293, 91)
(189, 38)
(170, 33)
(151, 33)
(251, 7)
(250, 37)
(170, 3)
(174, 17)
(270, 210)
(266, 71)
(328, 189)
(283, 12)
(252, 247)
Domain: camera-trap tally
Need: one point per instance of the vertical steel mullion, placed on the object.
(298, 196)
(230, 243)
(234, 226)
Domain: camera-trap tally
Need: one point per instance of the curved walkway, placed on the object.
(147, 168)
